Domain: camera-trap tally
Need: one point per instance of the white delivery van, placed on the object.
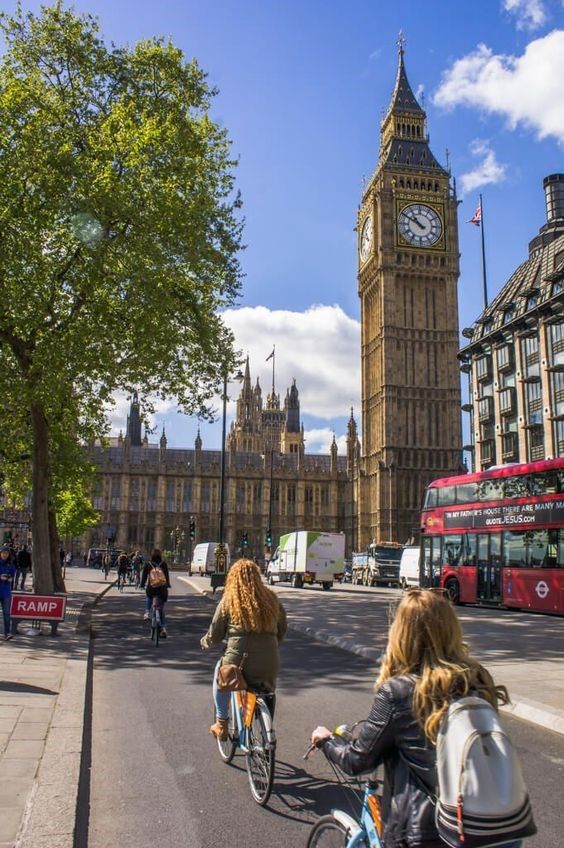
(409, 566)
(307, 556)
(203, 558)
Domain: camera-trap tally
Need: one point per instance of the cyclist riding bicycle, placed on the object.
(426, 665)
(156, 579)
(253, 621)
(122, 566)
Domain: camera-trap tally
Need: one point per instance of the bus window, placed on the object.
(495, 548)
(447, 495)
(431, 561)
(436, 561)
(516, 487)
(468, 549)
(560, 480)
(452, 546)
(466, 493)
(514, 549)
(430, 498)
(549, 483)
(537, 548)
(491, 489)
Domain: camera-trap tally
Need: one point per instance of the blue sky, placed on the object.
(302, 87)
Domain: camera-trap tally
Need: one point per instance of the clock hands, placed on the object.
(416, 221)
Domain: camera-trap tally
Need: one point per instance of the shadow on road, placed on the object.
(123, 641)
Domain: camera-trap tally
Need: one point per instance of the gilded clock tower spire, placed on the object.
(407, 276)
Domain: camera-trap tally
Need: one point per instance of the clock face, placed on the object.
(366, 238)
(420, 225)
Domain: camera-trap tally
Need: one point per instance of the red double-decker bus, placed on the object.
(496, 537)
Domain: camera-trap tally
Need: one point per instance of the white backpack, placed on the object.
(482, 799)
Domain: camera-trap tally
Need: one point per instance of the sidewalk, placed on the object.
(42, 693)
(534, 678)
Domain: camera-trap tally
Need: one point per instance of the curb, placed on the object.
(51, 813)
(85, 615)
(531, 711)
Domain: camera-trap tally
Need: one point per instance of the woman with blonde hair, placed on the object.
(253, 621)
(425, 666)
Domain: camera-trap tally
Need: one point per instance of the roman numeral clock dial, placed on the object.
(420, 225)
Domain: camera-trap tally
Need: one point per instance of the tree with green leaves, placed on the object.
(119, 239)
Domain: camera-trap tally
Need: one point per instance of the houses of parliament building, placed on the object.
(148, 494)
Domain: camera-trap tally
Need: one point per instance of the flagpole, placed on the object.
(484, 277)
(273, 361)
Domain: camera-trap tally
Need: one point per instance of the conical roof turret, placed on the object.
(403, 98)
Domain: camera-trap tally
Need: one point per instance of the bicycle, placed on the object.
(156, 620)
(121, 580)
(251, 729)
(338, 829)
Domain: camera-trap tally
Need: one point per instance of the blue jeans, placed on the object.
(5, 601)
(222, 699)
(149, 607)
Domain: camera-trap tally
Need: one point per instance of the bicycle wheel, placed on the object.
(327, 832)
(229, 746)
(261, 756)
(156, 626)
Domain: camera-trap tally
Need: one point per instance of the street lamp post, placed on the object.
(218, 577)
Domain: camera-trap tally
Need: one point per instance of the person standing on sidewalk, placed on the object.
(23, 567)
(7, 574)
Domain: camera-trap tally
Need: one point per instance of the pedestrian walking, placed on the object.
(7, 574)
(23, 567)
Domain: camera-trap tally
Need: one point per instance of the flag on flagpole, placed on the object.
(270, 356)
(477, 216)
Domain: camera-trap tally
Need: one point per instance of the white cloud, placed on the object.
(319, 441)
(319, 347)
(530, 14)
(375, 54)
(489, 170)
(525, 89)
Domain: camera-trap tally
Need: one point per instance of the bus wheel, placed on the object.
(453, 590)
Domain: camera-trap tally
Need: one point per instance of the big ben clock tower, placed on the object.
(407, 282)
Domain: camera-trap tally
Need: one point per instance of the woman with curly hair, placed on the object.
(426, 665)
(253, 621)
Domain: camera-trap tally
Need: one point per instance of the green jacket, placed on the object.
(263, 661)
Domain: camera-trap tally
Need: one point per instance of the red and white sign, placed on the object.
(44, 607)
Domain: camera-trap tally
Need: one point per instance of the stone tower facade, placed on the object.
(407, 282)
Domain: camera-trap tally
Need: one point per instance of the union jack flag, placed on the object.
(477, 216)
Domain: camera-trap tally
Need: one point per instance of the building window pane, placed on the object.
(152, 495)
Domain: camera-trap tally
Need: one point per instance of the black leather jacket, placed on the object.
(391, 735)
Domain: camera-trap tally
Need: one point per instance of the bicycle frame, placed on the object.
(369, 829)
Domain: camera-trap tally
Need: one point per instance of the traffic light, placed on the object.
(268, 538)
(192, 529)
(245, 541)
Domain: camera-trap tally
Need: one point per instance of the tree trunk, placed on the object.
(42, 555)
(56, 569)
